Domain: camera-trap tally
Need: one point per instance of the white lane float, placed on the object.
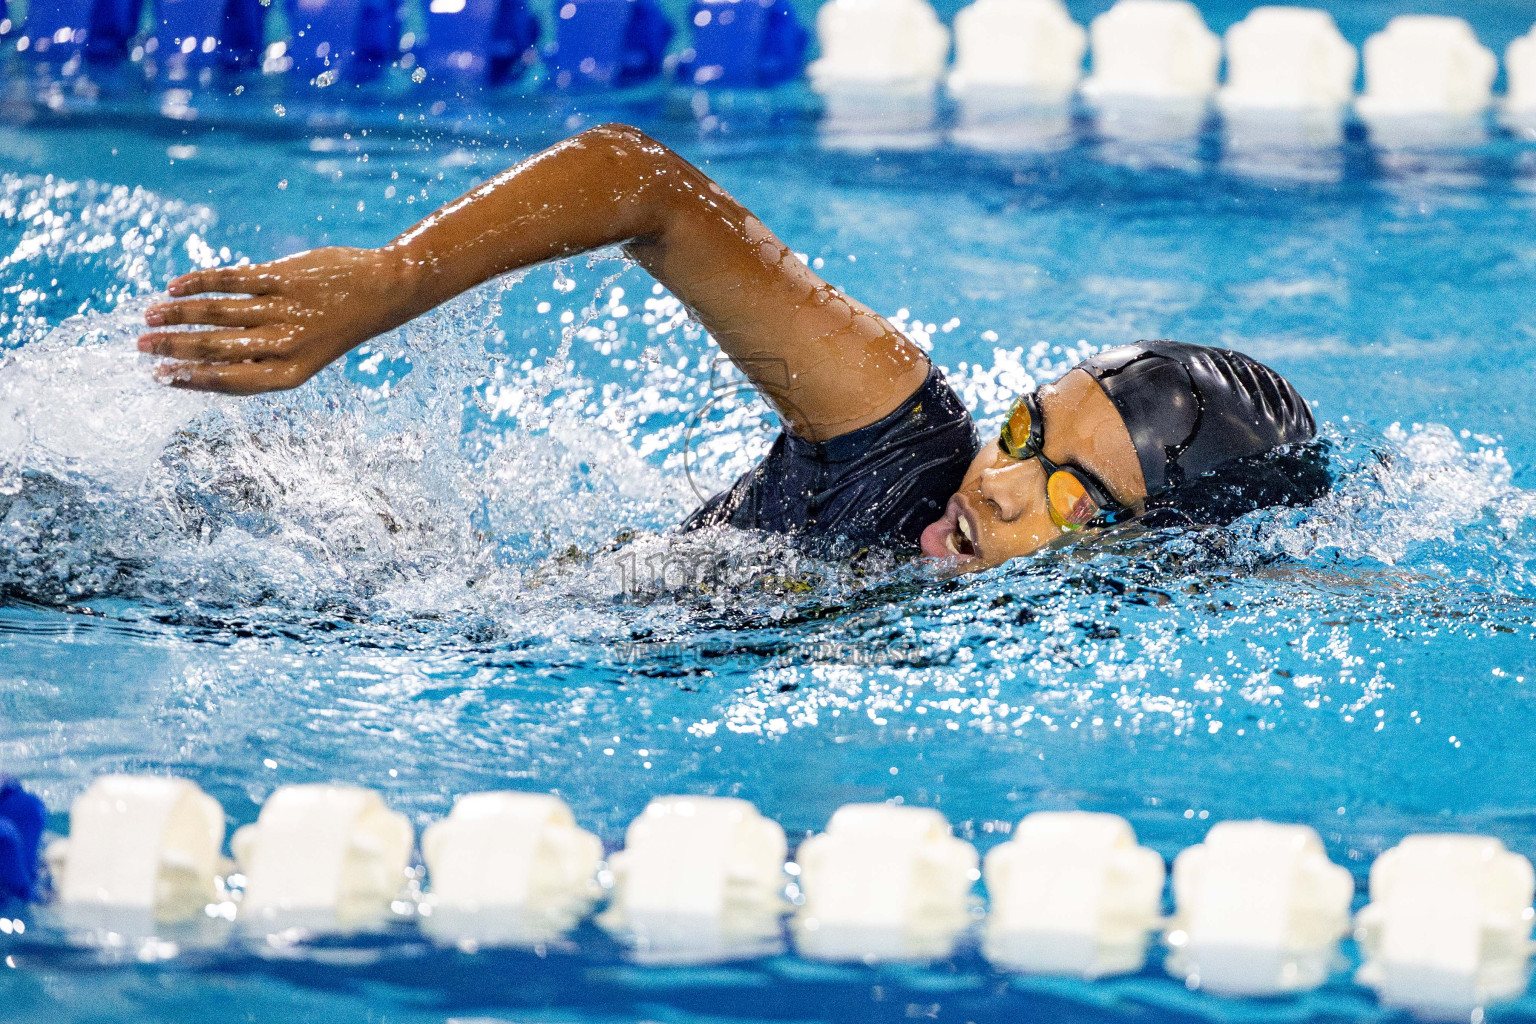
(1448, 928)
(1259, 906)
(1426, 65)
(1154, 68)
(1152, 50)
(1029, 49)
(878, 74)
(885, 44)
(699, 878)
(884, 882)
(1520, 84)
(321, 857)
(1072, 893)
(1259, 910)
(1520, 68)
(140, 848)
(1288, 59)
(1290, 76)
(508, 868)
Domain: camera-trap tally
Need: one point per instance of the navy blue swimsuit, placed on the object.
(877, 486)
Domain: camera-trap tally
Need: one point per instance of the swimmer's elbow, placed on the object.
(628, 143)
(618, 131)
(647, 173)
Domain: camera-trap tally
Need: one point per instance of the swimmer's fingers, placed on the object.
(219, 346)
(249, 280)
(216, 312)
(233, 378)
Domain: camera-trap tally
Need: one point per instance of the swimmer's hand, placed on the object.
(291, 317)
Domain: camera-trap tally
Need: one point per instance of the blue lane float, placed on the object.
(95, 29)
(602, 44)
(335, 39)
(746, 44)
(193, 34)
(21, 829)
(479, 41)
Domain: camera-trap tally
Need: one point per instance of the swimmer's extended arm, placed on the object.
(827, 363)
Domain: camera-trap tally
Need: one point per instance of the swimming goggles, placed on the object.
(1072, 496)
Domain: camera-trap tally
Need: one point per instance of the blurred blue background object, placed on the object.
(479, 41)
(332, 39)
(98, 29)
(209, 33)
(743, 44)
(607, 43)
(21, 830)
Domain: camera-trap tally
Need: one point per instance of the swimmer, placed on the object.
(877, 450)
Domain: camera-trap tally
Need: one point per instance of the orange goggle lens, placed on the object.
(1016, 431)
(1070, 506)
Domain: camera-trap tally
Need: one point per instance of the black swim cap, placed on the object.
(1192, 409)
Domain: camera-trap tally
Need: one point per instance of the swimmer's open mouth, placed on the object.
(953, 536)
(959, 540)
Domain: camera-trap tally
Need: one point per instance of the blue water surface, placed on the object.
(443, 566)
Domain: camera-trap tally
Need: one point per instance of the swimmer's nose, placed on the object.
(1012, 487)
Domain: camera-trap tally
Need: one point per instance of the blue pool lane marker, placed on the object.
(745, 44)
(603, 44)
(21, 829)
(57, 30)
(342, 39)
(479, 41)
(208, 33)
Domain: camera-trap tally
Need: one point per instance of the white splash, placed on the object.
(81, 404)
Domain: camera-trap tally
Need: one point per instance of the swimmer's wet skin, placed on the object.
(877, 451)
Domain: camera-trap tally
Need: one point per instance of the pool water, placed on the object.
(444, 567)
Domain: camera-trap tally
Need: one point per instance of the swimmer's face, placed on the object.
(1000, 511)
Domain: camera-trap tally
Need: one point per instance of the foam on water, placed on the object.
(79, 404)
